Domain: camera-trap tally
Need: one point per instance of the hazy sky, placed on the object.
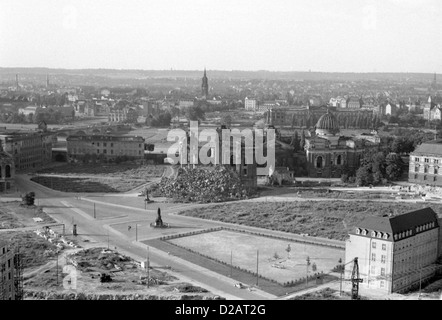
(277, 35)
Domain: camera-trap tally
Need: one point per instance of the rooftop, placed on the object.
(430, 147)
(400, 223)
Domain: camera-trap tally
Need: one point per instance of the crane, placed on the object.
(355, 279)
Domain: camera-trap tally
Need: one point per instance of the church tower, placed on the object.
(205, 86)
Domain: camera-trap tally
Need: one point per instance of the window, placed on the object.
(373, 257)
(358, 231)
(339, 160)
(416, 169)
(104, 151)
(98, 144)
(112, 144)
(436, 161)
(112, 151)
(384, 246)
(425, 177)
(319, 162)
(373, 233)
(383, 258)
(382, 284)
(373, 245)
(416, 159)
(425, 169)
(427, 160)
(104, 144)
(382, 271)
(98, 151)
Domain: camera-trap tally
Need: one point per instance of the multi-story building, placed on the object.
(104, 147)
(29, 150)
(7, 171)
(251, 104)
(395, 253)
(125, 115)
(7, 288)
(328, 152)
(425, 163)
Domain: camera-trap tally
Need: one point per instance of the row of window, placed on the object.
(383, 258)
(425, 178)
(373, 270)
(112, 144)
(384, 246)
(426, 160)
(374, 234)
(435, 169)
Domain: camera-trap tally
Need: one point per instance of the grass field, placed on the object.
(331, 219)
(274, 262)
(87, 184)
(122, 170)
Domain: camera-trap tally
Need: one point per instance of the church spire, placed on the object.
(205, 85)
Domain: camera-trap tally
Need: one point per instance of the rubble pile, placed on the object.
(53, 237)
(213, 184)
(87, 260)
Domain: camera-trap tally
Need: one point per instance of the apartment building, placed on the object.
(395, 253)
(425, 162)
(7, 289)
(104, 147)
(7, 171)
(29, 150)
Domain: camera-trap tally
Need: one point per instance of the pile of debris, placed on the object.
(202, 184)
(100, 260)
(53, 237)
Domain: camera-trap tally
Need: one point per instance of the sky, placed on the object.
(274, 35)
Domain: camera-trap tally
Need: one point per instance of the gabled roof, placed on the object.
(401, 223)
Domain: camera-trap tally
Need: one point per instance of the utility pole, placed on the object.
(257, 263)
(231, 265)
(95, 216)
(136, 232)
(306, 275)
(148, 267)
(108, 239)
(57, 266)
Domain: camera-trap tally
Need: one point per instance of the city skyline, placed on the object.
(321, 36)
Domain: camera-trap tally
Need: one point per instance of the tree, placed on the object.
(195, 114)
(226, 120)
(288, 249)
(363, 176)
(28, 199)
(394, 167)
(295, 142)
(302, 142)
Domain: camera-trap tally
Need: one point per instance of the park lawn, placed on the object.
(86, 185)
(331, 219)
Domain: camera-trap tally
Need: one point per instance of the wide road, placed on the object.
(110, 226)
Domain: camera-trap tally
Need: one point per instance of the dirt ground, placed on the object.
(80, 272)
(12, 215)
